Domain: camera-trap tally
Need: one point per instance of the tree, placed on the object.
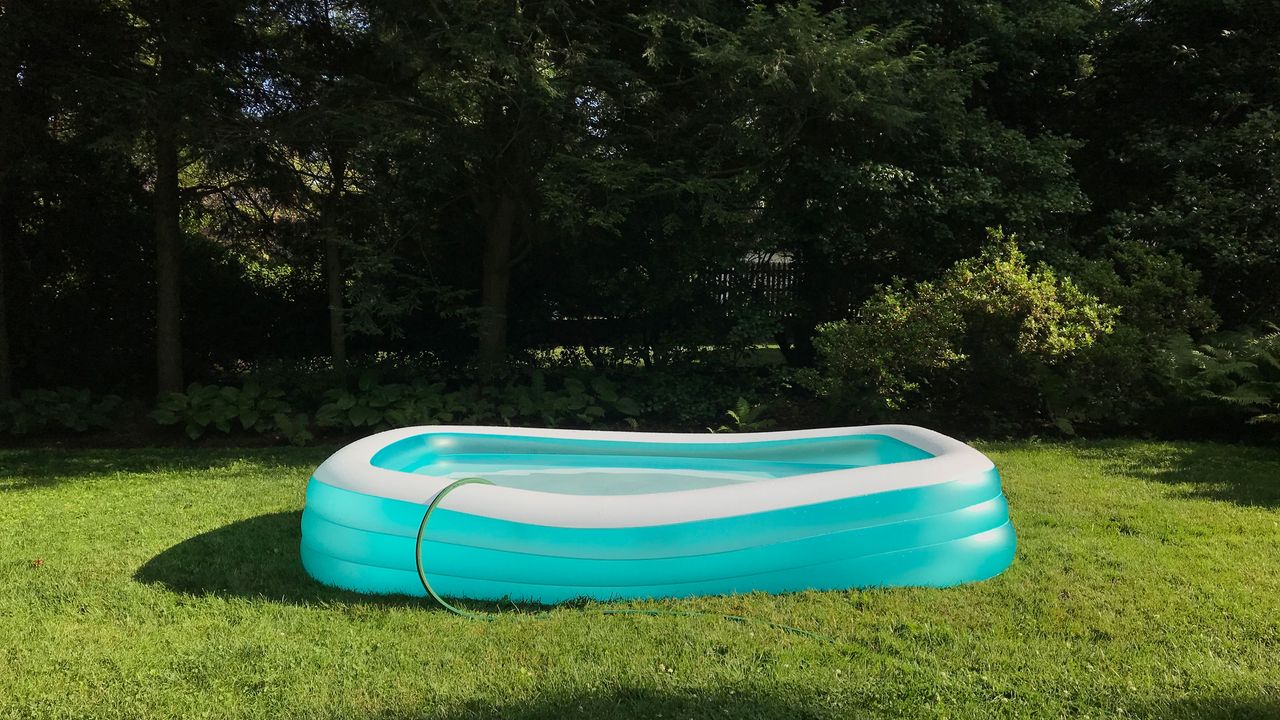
(183, 71)
(48, 54)
(1182, 152)
(315, 105)
(491, 90)
(865, 152)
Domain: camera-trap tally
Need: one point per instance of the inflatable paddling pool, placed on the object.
(610, 515)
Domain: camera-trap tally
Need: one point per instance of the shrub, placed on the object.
(589, 401)
(250, 407)
(880, 359)
(64, 408)
(973, 344)
(745, 417)
(687, 396)
(1120, 382)
(1236, 375)
(696, 395)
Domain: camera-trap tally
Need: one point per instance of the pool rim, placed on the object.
(351, 468)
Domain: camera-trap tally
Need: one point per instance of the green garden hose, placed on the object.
(426, 584)
(417, 548)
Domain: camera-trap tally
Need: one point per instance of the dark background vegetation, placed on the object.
(993, 217)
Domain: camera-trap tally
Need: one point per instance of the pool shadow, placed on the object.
(802, 704)
(635, 702)
(258, 558)
(255, 558)
(1216, 708)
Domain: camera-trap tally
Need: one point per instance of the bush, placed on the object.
(684, 397)
(972, 346)
(880, 360)
(697, 395)
(1235, 377)
(555, 397)
(745, 417)
(586, 402)
(65, 408)
(250, 407)
(1120, 382)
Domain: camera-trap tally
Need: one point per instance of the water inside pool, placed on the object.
(583, 466)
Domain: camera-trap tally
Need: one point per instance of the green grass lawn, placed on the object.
(166, 583)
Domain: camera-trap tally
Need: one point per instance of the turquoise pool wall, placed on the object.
(938, 535)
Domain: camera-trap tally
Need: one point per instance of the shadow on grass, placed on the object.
(633, 702)
(1242, 474)
(254, 558)
(258, 559)
(47, 467)
(1215, 708)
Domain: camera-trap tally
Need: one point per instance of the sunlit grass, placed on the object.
(165, 583)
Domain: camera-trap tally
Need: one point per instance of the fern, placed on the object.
(1238, 370)
(745, 417)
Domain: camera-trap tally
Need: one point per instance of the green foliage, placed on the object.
(975, 340)
(883, 356)
(1235, 372)
(1046, 317)
(634, 160)
(1182, 141)
(1221, 215)
(375, 405)
(1156, 290)
(694, 395)
(1120, 382)
(573, 396)
(588, 402)
(64, 408)
(745, 417)
(249, 408)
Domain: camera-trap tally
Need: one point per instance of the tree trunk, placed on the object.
(168, 251)
(812, 295)
(333, 277)
(495, 285)
(333, 259)
(6, 236)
